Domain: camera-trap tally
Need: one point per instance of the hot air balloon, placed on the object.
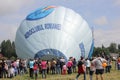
(54, 31)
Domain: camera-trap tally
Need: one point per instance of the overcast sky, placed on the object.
(102, 15)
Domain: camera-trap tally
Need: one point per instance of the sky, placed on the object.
(103, 16)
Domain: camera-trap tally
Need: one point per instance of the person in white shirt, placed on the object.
(87, 63)
(11, 72)
(98, 65)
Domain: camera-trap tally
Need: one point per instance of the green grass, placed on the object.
(113, 75)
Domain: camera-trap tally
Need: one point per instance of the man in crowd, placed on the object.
(99, 67)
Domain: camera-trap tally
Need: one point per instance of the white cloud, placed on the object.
(116, 23)
(101, 20)
(8, 31)
(106, 37)
(8, 6)
(117, 2)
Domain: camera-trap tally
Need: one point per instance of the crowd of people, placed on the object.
(9, 68)
(97, 65)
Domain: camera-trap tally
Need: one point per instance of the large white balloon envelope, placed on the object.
(55, 31)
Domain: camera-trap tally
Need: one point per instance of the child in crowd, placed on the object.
(64, 69)
(11, 72)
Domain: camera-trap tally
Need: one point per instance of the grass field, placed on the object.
(113, 75)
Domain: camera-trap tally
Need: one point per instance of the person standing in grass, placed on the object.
(108, 67)
(36, 69)
(64, 69)
(118, 63)
(62, 61)
(88, 64)
(11, 72)
(92, 69)
(44, 68)
(74, 65)
(31, 65)
(53, 66)
(81, 68)
(98, 63)
(69, 66)
(58, 70)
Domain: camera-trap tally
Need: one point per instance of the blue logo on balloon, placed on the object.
(40, 13)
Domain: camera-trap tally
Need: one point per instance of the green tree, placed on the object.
(113, 48)
(13, 50)
(118, 46)
(106, 51)
(97, 51)
(3, 48)
(119, 49)
(8, 49)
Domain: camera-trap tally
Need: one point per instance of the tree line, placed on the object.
(7, 49)
(112, 48)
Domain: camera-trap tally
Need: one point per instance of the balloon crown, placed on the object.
(40, 13)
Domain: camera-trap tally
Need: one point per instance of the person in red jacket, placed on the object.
(36, 69)
(81, 68)
(44, 68)
(118, 63)
(69, 66)
(64, 69)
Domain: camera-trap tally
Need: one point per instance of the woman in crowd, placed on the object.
(44, 68)
(81, 68)
(69, 66)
